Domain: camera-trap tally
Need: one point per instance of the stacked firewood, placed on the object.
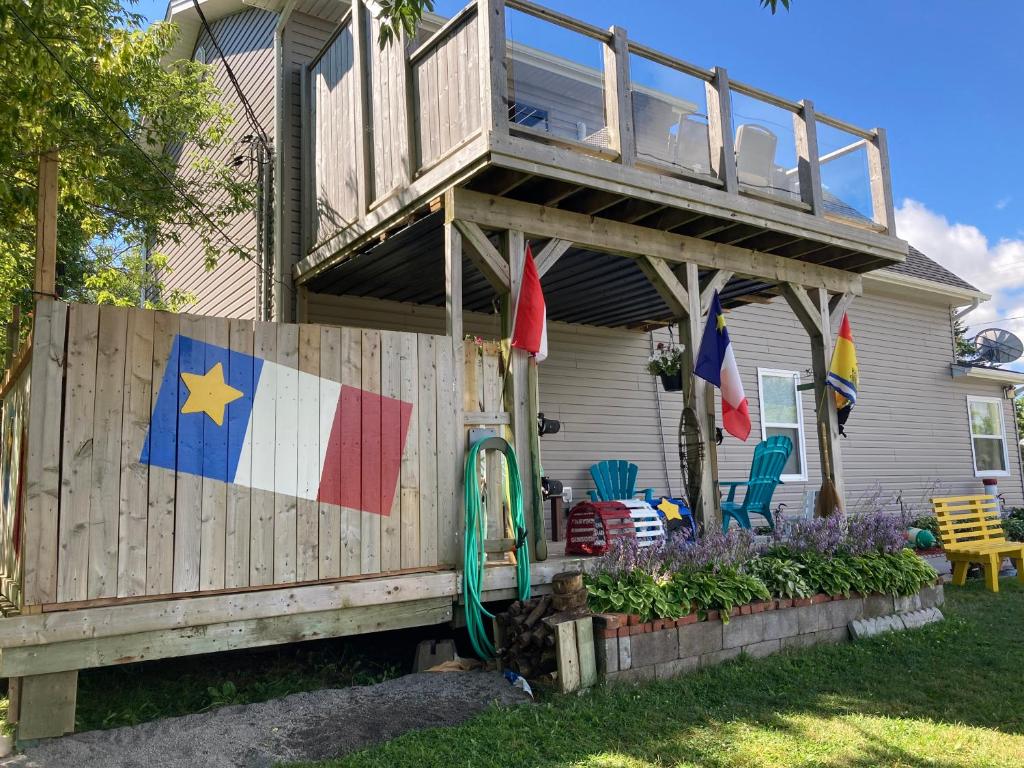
(526, 631)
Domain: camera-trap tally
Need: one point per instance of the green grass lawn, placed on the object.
(949, 695)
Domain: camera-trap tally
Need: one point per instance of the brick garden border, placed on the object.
(630, 652)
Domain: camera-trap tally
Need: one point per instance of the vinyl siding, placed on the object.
(908, 433)
(230, 290)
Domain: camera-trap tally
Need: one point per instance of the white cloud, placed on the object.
(1002, 202)
(996, 268)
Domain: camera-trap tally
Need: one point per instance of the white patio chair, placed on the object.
(755, 155)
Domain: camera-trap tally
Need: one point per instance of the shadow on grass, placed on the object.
(948, 695)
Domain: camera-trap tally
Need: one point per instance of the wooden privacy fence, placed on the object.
(13, 446)
(176, 453)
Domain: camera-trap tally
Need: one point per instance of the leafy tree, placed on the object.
(1018, 410)
(963, 347)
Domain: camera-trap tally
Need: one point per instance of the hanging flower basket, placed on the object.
(672, 382)
(665, 362)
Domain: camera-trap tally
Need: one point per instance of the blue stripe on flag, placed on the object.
(846, 388)
(193, 443)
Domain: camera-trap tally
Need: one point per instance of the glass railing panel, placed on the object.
(765, 142)
(670, 116)
(845, 179)
(555, 80)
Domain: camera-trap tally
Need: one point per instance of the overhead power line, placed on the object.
(171, 183)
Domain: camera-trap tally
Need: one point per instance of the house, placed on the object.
(910, 436)
(286, 460)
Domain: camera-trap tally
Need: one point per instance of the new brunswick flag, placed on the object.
(842, 374)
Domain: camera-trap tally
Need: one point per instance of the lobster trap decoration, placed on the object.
(592, 526)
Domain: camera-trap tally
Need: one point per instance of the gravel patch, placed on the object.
(306, 726)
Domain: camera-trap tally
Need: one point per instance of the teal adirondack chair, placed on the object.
(770, 456)
(616, 480)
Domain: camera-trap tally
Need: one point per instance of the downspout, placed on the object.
(277, 276)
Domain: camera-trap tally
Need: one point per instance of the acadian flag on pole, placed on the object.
(530, 327)
(842, 374)
(717, 364)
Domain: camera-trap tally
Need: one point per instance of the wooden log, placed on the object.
(567, 582)
(540, 609)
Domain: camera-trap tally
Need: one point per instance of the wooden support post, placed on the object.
(618, 103)
(484, 256)
(700, 397)
(807, 160)
(46, 705)
(494, 70)
(812, 309)
(13, 328)
(363, 150)
(550, 254)
(837, 307)
(881, 182)
(302, 304)
(453, 328)
(720, 133)
(45, 283)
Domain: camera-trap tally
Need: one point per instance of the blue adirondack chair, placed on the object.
(615, 480)
(770, 456)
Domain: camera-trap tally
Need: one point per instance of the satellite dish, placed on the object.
(997, 346)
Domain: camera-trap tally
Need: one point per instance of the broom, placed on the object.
(828, 497)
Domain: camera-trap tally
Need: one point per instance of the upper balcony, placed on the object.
(511, 99)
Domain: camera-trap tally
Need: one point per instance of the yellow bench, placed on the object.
(972, 532)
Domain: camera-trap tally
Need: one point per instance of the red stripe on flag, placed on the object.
(736, 420)
(364, 452)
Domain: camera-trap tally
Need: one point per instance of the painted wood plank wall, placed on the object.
(150, 500)
(908, 433)
(230, 290)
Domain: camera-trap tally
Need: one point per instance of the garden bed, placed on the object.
(665, 648)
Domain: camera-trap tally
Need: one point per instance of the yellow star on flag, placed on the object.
(209, 394)
(720, 321)
(671, 510)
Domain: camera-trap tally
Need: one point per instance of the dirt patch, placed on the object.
(305, 726)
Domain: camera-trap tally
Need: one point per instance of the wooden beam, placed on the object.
(617, 97)
(454, 330)
(667, 284)
(550, 254)
(720, 135)
(363, 151)
(837, 307)
(716, 283)
(484, 256)
(46, 705)
(45, 283)
(806, 311)
(881, 182)
(631, 240)
(807, 161)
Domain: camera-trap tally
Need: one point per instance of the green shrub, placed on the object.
(928, 523)
(783, 576)
(1013, 524)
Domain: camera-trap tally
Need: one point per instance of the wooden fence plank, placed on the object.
(76, 479)
(427, 426)
(391, 450)
(160, 521)
(329, 545)
(213, 518)
(188, 485)
(371, 445)
(307, 509)
(448, 469)
(286, 452)
(351, 449)
(138, 402)
(410, 474)
(264, 439)
(241, 375)
(43, 480)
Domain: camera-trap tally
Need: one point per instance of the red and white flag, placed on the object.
(530, 327)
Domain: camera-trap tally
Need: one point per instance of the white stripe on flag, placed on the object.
(732, 384)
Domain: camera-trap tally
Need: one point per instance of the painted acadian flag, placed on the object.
(842, 374)
(215, 417)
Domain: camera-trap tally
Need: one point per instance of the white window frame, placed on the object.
(799, 426)
(1002, 432)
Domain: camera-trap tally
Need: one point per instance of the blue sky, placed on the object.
(942, 76)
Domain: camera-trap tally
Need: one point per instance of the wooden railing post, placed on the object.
(453, 329)
(618, 100)
(494, 66)
(720, 131)
(881, 182)
(45, 283)
(364, 167)
(808, 162)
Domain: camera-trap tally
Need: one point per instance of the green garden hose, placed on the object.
(476, 533)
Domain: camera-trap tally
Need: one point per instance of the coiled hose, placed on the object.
(476, 532)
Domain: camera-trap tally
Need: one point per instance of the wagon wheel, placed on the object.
(691, 455)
